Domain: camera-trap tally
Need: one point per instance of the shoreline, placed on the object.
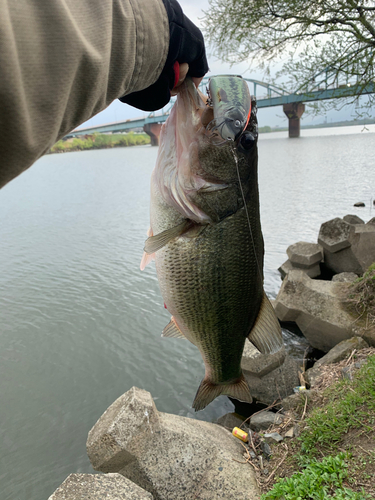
(99, 141)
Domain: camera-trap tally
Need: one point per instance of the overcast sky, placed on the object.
(118, 111)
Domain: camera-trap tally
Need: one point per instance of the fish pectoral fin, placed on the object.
(266, 332)
(172, 330)
(155, 243)
(208, 391)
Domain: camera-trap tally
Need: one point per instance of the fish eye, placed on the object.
(247, 141)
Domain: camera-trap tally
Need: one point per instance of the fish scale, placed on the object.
(208, 249)
(215, 291)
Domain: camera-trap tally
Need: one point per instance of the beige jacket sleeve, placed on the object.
(63, 61)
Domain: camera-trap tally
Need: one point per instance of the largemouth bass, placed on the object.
(206, 238)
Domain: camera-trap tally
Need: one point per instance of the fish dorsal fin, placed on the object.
(155, 243)
(172, 330)
(208, 391)
(266, 332)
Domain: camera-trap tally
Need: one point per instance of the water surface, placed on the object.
(80, 324)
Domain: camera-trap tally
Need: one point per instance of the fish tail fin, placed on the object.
(208, 391)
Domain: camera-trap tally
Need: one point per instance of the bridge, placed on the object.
(322, 86)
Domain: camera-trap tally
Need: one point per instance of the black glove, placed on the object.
(186, 45)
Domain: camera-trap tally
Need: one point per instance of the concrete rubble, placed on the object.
(99, 486)
(270, 376)
(169, 456)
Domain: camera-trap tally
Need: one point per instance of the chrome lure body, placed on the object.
(230, 99)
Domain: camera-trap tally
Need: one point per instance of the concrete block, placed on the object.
(317, 308)
(312, 272)
(371, 221)
(353, 219)
(334, 235)
(345, 277)
(99, 486)
(269, 377)
(172, 457)
(117, 438)
(303, 254)
(256, 363)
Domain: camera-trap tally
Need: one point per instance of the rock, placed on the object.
(231, 420)
(368, 334)
(289, 433)
(313, 376)
(359, 204)
(341, 351)
(338, 353)
(304, 254)
(270, 376)
(334, 235)
(295, 400)
(265, 447)
(264, 419)
(99, 486)
(317, 307)
(345, 277)
(353, 219)
(347, 372)
(171, 457)
(272, 437)
(312, 272)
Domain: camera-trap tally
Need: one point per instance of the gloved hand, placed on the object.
(186, 45)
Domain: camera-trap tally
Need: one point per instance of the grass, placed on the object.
(319, 480)
(351, 404)
(334, 456)
(100, 141)
(362, 296)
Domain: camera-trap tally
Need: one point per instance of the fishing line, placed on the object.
(244, 204)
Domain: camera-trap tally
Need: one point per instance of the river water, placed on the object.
(80, 324)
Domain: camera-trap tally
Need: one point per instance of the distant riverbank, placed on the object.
(100, 141)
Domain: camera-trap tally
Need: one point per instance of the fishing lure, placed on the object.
(229, 97)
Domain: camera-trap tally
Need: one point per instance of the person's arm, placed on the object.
(63, 61)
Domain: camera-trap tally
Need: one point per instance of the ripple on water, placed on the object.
(80, 324)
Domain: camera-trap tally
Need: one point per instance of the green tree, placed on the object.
(306, 37)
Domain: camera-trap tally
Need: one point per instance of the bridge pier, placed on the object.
(294, 111)
(153, 130)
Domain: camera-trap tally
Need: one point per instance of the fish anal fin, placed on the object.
(158, 241)
(172, 330)
(266, 332)
(146, 259)
(208, 391)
